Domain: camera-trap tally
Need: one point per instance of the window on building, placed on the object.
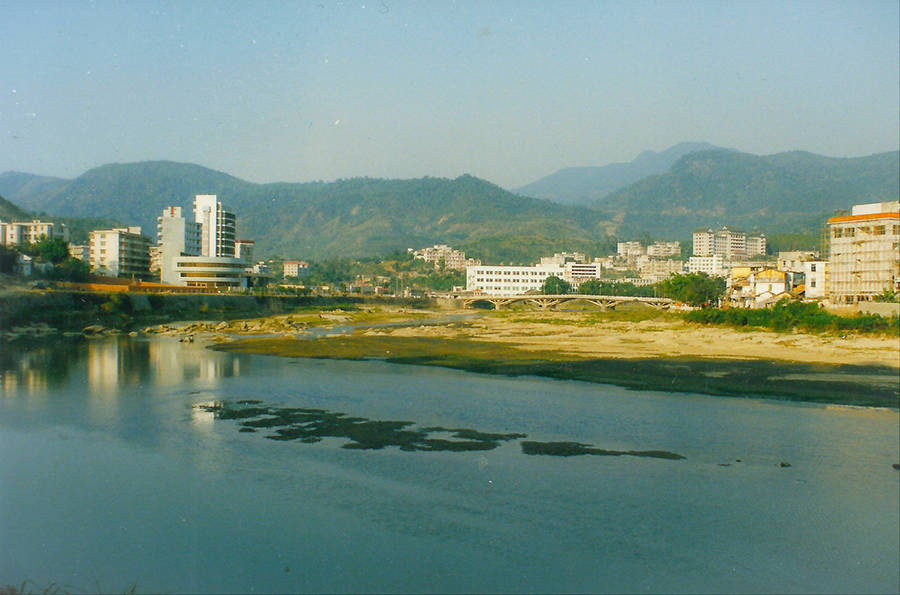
(880, 230)
(837, 232)
(812, 268)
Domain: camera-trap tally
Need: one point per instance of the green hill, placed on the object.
(10, 212)
(785, 193)
(584, 185)
(355, 217)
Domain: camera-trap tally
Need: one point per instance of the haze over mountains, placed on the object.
(785, 193)
(585, 185)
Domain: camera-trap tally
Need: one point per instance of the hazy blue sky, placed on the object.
(507, 91)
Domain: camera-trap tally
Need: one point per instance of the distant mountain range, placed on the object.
(777, 194)
(791, 192)
(356, 217)
(585, 185)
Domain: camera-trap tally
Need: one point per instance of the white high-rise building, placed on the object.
(121, 252)
(201, 253)
(218, 226)
(177, 237)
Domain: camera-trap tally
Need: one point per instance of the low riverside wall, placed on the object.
(77, 309)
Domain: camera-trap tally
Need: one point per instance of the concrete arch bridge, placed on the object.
(604, 302)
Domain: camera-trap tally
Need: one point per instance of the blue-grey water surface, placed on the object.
(111, 475)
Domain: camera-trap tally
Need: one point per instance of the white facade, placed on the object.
(211, 272)
(177, 236)
(121, 252)
(31, 232)
(296, 268)
(731, 244)
(714, 266)
(504, 281)
(815, 274)
(664, 249)
(626, 249)
(452, 259)
(218, 226)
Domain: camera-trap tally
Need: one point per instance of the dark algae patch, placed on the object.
(312, 425)
(574, 449)
(859, 385)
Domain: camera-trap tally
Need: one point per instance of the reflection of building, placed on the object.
(121, 252)
(31, 232)
(864, 255)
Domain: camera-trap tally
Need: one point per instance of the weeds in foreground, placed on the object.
(30, 587)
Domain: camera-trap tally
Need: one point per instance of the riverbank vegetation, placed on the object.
(792, 315)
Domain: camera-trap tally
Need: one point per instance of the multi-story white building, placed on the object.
(864, 253)
(815, 275)
(731, 244)
(664, 249)
(502, 281)
(201, 253)
(714, 266)
(441, 253)
(218, 226)
(177, 236)
(296, 268)
(626, 249)
(31, 232)
(121, 252)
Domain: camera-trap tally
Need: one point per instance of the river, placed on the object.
(149, 462)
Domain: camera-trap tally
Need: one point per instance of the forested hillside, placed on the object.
(355, 217)
(784, 193)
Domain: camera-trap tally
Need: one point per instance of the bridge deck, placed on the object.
(550, 301)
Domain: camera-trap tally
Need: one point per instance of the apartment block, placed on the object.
(296, 268)
(731, 244)
(864, 253)
(121, 252)
(31, 232)
(452, 259)
(503, 281)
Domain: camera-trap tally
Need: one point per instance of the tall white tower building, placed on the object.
(218, 226)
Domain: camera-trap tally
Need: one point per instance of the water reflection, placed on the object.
(112, 365)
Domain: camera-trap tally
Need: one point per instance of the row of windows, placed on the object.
(850, 232)
(514, 273)
(485, 280)
(208, 275)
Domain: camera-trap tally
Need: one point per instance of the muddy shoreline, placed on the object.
(656, 353)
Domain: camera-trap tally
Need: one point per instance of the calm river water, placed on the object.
(118, 468)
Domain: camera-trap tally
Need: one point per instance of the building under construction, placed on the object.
(864, 253)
